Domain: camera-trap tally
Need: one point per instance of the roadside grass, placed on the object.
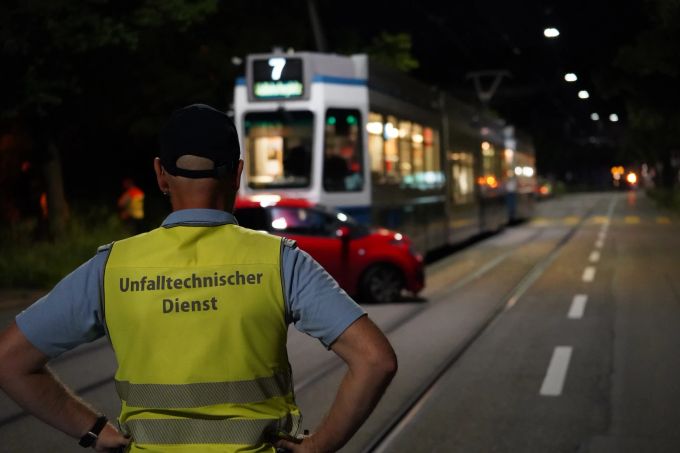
(30, 263)
(666, 198)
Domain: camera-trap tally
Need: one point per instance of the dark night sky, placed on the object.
(451, 39)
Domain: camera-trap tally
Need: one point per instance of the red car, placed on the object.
(373, 264)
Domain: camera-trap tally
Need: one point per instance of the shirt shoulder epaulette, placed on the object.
(289, 243)
(105, 247)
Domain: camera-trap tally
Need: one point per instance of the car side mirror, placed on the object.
(343, 232)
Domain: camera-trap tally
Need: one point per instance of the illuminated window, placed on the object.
(462, 174)
(278, 149)
(343, 168)
(489, 159)
(417, 140)
(405, 165)
(391, 155)
(374, 126)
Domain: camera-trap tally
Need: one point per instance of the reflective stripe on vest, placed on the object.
(196, 317)
(204, 393)
(197, 431)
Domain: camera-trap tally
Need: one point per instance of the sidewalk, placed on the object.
(19, 298)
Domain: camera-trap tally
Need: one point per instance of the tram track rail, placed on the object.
(333, 364)
(381, 442)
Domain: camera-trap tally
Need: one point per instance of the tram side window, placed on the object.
(278, 148)
(406, 148)
(462, 177)
(404, 152)
(490, 167)
(343, 161)
(431, 149)
(374, 127)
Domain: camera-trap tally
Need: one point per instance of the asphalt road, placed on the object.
(557, 335)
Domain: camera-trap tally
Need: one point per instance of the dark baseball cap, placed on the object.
(200, 130)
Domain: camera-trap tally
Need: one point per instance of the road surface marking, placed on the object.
(578, 306)
(610, 211)
(601, 235)
(462, 223)
(663, 220)
(540, 221)
(600, 219)
(599, 244)
(557, 371)
(632, 219)
(571, 220)
(589, 274)
(594, 256)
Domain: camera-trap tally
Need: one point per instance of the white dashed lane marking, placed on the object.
(578, 306)
(553, 383)
(594, 256)
(589, 274)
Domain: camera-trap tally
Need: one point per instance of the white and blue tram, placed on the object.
(380, 146)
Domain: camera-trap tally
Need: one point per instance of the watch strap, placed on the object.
(90, 438)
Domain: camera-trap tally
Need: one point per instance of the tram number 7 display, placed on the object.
(277, 78)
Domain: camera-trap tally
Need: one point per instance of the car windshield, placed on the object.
(316, 221)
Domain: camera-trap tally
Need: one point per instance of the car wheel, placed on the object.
(381, 283)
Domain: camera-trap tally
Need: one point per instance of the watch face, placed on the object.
(88, 440)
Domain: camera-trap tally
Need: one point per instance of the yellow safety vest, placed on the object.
(196, 317)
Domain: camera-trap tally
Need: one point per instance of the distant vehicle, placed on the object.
(372, 264)
(623, 178)
(632, 180)
(347, 132)
(544, 188)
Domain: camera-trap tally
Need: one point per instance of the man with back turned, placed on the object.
(202, 363)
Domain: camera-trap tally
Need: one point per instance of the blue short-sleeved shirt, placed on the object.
(70, 314)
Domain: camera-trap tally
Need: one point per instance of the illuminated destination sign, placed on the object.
(277, 78)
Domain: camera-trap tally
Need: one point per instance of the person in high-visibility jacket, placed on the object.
(197, 313)
(131, 205)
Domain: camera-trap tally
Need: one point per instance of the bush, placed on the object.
(39, 264)
(666, 198)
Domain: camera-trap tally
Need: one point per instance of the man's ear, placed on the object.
(161, 176)
(237, 177)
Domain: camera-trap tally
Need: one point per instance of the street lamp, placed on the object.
(594, 116)
(570, 77)
(613, 117)
(551, 32)
(583, 94)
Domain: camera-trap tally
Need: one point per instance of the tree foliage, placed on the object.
(393, 49)
(646, 74)
(48, 42)
(59, 56)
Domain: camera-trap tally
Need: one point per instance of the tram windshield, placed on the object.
(279, 145)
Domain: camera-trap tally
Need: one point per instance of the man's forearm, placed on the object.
(357, 396)
(44, 396)
(26, 379)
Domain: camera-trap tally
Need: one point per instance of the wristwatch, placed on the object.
(92, 435)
